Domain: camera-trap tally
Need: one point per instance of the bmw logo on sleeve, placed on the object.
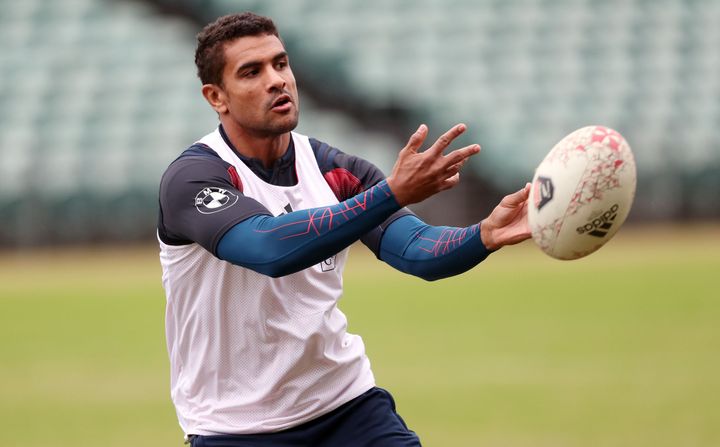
(212, 200)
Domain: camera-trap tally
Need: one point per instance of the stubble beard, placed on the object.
(285, 123)
(282, 126)
(287, 126)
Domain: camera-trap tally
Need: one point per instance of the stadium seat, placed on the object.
(101, 94)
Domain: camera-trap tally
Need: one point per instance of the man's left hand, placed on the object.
(508, 222)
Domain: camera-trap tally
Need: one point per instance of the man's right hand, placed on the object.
(419, 175)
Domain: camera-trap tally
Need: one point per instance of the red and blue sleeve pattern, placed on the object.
(348, 175)
(281, 245)
(402, 240)
(431, 252)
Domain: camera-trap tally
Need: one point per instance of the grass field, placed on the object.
(619, 349)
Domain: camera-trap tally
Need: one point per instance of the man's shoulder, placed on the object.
(198, 150)
(197, 154)
(321, 150)
(198, 162)
(328, 157)
(347, 174)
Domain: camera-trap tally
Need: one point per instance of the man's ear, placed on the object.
(216, 97)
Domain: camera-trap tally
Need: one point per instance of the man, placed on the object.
(255, 221)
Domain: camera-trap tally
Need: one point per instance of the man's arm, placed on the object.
(278, 246)
(406, 242)
(432, 252)
(291, 242)
(201, 201)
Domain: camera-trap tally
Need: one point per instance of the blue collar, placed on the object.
(281, 173)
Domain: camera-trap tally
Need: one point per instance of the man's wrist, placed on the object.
(394, 190)
(486, 235)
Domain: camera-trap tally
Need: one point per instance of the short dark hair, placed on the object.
(209, 54)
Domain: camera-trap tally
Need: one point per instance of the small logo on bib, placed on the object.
(213, 199)
(328, 264)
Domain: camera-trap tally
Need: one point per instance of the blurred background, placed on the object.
(97, 97)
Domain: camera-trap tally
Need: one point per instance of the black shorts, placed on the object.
(369, 420)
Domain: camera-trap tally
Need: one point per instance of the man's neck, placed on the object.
(266, 148)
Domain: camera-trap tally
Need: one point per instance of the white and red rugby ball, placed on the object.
(582, 192)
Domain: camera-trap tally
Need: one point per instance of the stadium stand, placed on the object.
(97, 96)
(525, 73)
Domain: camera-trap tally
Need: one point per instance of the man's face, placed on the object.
(260, 94)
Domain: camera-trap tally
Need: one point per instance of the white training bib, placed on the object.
(250, 353)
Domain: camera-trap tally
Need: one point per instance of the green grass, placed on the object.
(618, 349)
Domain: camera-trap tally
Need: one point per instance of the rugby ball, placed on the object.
(582, 192)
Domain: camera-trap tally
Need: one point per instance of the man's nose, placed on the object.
(276, 81)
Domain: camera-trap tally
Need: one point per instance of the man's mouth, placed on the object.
(282, 103)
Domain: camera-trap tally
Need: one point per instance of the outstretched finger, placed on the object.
(417, 139)
(461, 155)
(516, 198)
(456, 167)
(446, 139)
(450, 182)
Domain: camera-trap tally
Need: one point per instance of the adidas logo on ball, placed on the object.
(600, 225)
